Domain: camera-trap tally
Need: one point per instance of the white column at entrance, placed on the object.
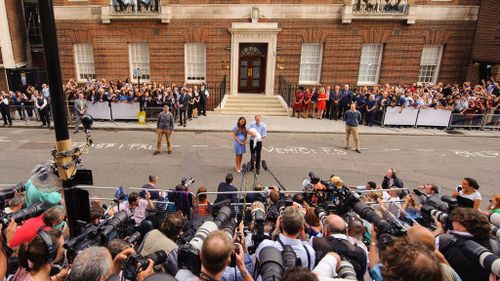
(254, 32)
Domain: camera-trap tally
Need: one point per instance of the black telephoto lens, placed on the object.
(271, 264)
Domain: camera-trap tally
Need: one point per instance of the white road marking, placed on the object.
(4, 140)
(199, 145)
(424, 150)
(17, 132)
(392, 149)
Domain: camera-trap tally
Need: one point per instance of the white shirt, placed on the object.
(473, 196)
(303, 249)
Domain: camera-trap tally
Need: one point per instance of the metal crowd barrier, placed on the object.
(458, 120)
(491, 121)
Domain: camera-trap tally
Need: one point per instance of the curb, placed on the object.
(193, 130)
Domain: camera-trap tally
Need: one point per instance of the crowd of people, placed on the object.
(185, 102)
(319, 102)
(332, 102)
(287, 236)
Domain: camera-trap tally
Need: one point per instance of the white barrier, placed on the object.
(433, 117)
(98, 110)
(405, 117)
(125, 110)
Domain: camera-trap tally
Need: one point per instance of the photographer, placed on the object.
(468, 224)
(290, 231)
(215, 257)
(37, 258)
(135, 207)
(165, 238)
(391, 180)
(96, 264)
(336, 240)
(226, 186)
(52, 218)
(403, 260)
(433, 196)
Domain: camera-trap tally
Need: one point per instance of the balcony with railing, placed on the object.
(377, 10)
(135, 7)
(388, 7)
(134, 10)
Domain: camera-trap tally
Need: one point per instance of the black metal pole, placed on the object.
(66, 173)
(53, 68)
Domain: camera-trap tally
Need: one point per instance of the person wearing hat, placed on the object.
(203, 100)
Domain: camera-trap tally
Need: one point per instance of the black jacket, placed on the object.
(397, 183)
(469, 269)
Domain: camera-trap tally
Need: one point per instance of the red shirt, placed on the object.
(26, 232)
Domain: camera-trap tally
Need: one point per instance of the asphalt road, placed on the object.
(126, 158)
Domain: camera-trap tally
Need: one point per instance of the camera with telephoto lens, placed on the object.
(494, 219)
(258, 220)
(483, 256)
(189, 253)
(134, 238)
(346, 271)
(97, 235)
(431, 210)
(9, 193)
(271, 266)
(187, 182)
(33, 211)
(136, 263)
(341, 200)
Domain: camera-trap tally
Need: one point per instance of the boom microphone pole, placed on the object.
(264, 166)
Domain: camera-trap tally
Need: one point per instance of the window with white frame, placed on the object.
(139, 59)
(429, 64)
(369, 64)
(195, 57)
(84, 61)
(310, 63)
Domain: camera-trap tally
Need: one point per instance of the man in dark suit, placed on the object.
(346, 99)
(335, 96)
(224, 187)
(183, 106)
(80, 106)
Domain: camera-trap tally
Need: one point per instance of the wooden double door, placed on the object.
(252, 67)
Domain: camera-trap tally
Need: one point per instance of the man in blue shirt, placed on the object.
(256, 145)
(352, 118)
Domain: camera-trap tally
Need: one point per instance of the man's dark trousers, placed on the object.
(6, 114)
(183, 115)
(255, 154)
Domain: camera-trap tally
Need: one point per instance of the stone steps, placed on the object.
(251, 104)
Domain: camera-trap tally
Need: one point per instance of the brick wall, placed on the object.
(341, 47)
(17, 29)
(487, 40)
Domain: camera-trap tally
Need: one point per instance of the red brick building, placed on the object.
(254, 42)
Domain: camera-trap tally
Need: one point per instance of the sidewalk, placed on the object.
(275, 124)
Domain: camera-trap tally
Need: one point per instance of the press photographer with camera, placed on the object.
(135, 207)
(215, 257)
(290, 232)
(52, 218)
(468, 225)
(164, 238)
(431, 195)
(336, 240)
(95, 264)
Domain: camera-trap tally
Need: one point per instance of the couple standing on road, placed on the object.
(257, 131)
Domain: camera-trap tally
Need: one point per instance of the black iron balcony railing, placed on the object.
(131, 7)
(376, 7)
